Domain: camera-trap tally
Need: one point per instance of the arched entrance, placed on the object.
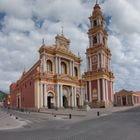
(65, 101)
(50, 100)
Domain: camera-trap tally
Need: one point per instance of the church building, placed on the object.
(98, 77)
(53, 82)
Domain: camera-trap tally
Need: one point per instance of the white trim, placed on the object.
(41, 94)
(90, 66)
(75, 103)
(99, 94)
(57, 87)
(56, 64)
(103, 89)
(98, 61)
(61, 96)
(72, 97)
(38, 94)
(45, 95)
(72, 68)
(107, 90)
(90, 98)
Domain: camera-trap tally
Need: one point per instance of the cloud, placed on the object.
(24, 23)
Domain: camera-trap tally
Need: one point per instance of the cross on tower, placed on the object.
(96, 1)
(43, 42)
(62, 30)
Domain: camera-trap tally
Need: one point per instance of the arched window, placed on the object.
(49, 66)
(63, 68)
(95, 23)
(95, 39)
(75, 72)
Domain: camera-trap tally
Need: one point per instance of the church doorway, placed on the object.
(65, 101)
(50, 102)
(78, 100)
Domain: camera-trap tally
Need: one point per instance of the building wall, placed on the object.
(126, 98)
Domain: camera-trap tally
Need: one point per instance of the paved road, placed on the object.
(118, 126)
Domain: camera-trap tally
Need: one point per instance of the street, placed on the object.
(123, 125)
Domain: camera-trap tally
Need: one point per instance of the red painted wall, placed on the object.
(27, 94)
(88, 90)
(109, 90)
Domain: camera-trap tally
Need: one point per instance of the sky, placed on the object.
(23, 24)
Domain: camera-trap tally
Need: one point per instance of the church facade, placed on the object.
(55, 81)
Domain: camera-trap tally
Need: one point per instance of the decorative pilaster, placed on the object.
(103, 89)
(58, 95)
(41, 94)
(90, 95)
(56, 64)
(61, 96)
(72, 96)
(45, 95)
(99, 94)
(75, 103)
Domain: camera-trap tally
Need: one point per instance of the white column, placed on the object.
(103, 88)
(90, 96)
(102, 60)
(75, 103)
(99, 94)
(86, 94)
(72, 96)
(82, 97)
(98, 38)
(106, 90)
(44, 62)
(112, 94)
(72, 68)
(41, 94)
(59, 65)
(38, 94)
(126, 100)
(61, 96)
(45, 95)
(56, 64)
(98, 61)
(87, 65)
(57, 87)
(90, 66)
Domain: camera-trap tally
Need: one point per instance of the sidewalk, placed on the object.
(8, 121)
(79, 115)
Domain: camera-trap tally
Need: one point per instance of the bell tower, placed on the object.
(99, 77)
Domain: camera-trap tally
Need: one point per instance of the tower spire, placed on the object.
(96, 1)
(43, 42)
(62, 28)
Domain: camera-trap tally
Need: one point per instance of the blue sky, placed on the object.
(24, 23)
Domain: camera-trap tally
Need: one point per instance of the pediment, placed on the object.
(68, 78)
